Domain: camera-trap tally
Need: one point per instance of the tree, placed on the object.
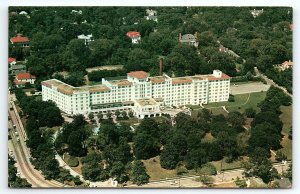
(108, 115)
(208, 169)
(236, 119)
(280, 156)
(145, 146)
(77, 180)
(100, 116)
(130, 114)
(118, 172)
(250, 112)
(124, 114)
(91, 116)
(117, 113)
(138, 173)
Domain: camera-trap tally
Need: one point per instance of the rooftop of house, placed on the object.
(181, 80)
(138, 74)
(21, 76)
(68, 89)
(122, 82)
(11, 59)
(146, 102)
(158, 79)
(288, 63)
(133, 34)
(19, 39)
(188, 38)
(151, 12)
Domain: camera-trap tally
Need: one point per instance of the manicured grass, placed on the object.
(287, 147)
(225, 165)
(92, 83)
(242, 102)
(129, 121)
(155, 171)
(39, 98)
(286, 118)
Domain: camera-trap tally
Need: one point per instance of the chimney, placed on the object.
(161, 66)
(179, 36)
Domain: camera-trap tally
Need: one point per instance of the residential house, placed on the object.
(15, 67)
(87, 39)
(12, 61)
(23, 78)
(20, 40)
(151, 15)
(189, 39)
(256, 13)
(134, 36)
(285, 65)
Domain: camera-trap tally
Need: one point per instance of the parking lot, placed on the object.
(248, 88)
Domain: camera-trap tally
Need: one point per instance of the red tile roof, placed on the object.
(19, 39)
(132, 34)
(138, 74)
(10, 59)
(181, 80)
(157, 80)
(224, 76)
(21, 76)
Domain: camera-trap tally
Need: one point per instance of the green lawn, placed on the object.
(225, 165)
(92, 83)
(156, 172)
(129, 121)
(286, 118)
(242, 102)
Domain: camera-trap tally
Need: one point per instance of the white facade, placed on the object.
(87, 39)
(129, 93)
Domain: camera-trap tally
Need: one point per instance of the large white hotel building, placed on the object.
(139, 92)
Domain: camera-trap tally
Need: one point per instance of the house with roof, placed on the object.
(255, 13)
(23, 78)
(189, 39)
(12, 61)
(134, 36)
(151, 15)
(20, 40)
(285, 65)
(87, 38)
(15, 67)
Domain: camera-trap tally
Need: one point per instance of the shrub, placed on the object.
(250, 112)
(73, 161)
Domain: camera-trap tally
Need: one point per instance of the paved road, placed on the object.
(189, 182)
(248, 88)
(22, 155)
(271, 82)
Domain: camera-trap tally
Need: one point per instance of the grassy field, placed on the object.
(242, 102)
(156, 172)
(225, 165)
(129, 121)
(286, 118)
